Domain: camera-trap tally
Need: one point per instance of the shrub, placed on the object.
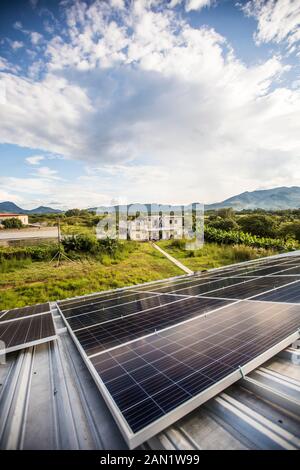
(179, 243)
(36, 253)
(233, 237)
(110, 246)
(83, 242)
(225, 213)
(259, 224)
(12, 222)
(290, 230)
(224, 224)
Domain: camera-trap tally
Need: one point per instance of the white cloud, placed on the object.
(18, 25)
(35, 191)
(197, 4)
(16, 45)
(278, 20)
(35, 37)
(151, 87)
(6, 66)
(120, 4)
(46, 172)
(35, 159)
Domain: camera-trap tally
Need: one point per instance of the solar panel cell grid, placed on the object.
(76, 308)
(266, 271)
(255, 265)
(210, 286)
(152, 358)
(292, 271)
(83, 320)
(16, 334)
(108, 335)
(252, 288)
(213, 363)
(289, 293)
(25, 311)
(174, 286)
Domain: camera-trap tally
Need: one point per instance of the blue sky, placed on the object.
(147, 100)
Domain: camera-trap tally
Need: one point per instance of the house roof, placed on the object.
(11, 215)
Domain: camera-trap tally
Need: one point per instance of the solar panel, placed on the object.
(71, 310)
(291, 271)
(154, 381)
(287, 294)
(251, 288)
(2, 312)
(266, 271)
(98, 316)
(17, 313)
(245, 268)
(111, 334)
(209, 286)
(159, 350)
(173, 286)
(28, 331)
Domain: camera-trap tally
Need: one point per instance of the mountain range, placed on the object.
(12, 208)
(268, 199)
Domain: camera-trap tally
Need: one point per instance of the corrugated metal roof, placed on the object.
(48, 400)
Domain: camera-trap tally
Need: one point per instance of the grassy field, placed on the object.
(25, 282)
(212, 255)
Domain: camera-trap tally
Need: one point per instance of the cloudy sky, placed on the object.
(147, 100)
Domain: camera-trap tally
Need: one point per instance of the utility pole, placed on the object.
(60, 252)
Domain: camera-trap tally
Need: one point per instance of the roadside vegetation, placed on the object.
(281, 226)
(12, 223)
(28, 276)
(25, 281)
(212, 255)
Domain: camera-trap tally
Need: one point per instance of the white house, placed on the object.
(156, 227)
(22, 217)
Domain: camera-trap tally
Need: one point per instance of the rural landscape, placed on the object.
(29, 276)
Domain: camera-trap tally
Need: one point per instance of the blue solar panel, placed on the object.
(159, 350)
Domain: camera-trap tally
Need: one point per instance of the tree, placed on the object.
(12, 222)
(224, 224)
(225, 213)
(72, 212)
(290, 230)
(259, 224)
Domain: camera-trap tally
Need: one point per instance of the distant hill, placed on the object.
(268, 199)
(11, 207)
(135, 207)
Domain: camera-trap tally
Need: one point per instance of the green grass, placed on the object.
(77, 229)
(212, 255)
(25, 282)
(29, 283)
